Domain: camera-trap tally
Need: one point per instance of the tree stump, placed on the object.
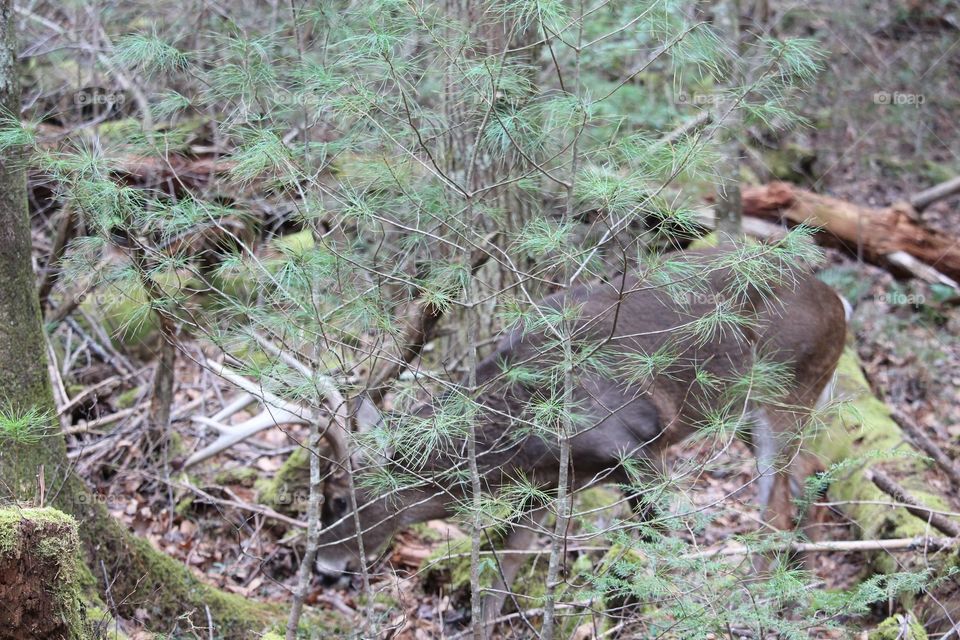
(39, 587)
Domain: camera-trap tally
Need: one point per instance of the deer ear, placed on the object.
(365, 414)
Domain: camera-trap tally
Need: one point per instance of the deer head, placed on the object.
(345, 505)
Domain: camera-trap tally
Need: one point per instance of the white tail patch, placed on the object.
(847, 307)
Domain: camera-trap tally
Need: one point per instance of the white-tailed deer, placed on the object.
(674, 357)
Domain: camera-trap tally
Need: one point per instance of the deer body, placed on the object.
(801, 327)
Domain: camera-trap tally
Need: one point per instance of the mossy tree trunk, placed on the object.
(23, 374)
(140, 577)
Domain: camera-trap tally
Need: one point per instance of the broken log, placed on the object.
(878, 232)
(865, 444)
(39, 576)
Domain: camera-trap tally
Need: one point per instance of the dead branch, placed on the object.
(925, 198)
(106, 386)
(842, 546)
(51, 271)
(86, 426)
(920, 270)
(753, 227)
(277, 412)
(889, 486)
(266, 512)
(928, 446)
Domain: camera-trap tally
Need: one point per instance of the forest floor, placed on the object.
(907, 337)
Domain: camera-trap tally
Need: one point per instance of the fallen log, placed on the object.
(865, 445)
(876, 232)
(866, 441)
(893, 489)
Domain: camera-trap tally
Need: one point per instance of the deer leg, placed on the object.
(521, 538)
(781, 462)
(783, 469)
(773, 479)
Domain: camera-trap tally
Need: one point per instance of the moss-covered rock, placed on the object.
(39, 553)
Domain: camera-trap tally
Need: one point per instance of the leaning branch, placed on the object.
(925, 444)
(893, 489)
(924, 199)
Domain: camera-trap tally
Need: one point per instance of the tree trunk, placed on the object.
(33, 459)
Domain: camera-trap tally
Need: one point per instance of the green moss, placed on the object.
(12, 518)
(154, 582)
(450, 564)
(288, 489)
(427, 533)
(184, 505)
(899, 627)
(57, 551)
(103, 626)
(595, 501)
(862, 436)
(711, 240)
(127, 399)
(936, 172)
(708, 241)
(52, 548)
(236, 617)
(244, 476)
(296, 243)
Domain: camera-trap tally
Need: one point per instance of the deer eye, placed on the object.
(339, 504)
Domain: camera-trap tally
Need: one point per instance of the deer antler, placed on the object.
(338, 431)
(422, 321)
(277, 411)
